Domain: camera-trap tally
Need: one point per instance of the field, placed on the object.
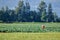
(30, 36)
(29, 31)
(29, 27)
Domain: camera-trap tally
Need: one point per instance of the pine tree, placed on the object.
(43, 18)
(55, 17)
(50, 13)
(6, 14)
(20, 10)
(27, 6)
(1, 14)
(42, 9)
(27, 11)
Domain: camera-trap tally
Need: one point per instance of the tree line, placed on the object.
(23, 13)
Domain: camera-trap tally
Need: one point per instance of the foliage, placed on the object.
(22, 13)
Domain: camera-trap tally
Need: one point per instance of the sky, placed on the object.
(33, 3)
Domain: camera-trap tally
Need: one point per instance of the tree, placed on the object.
(5, 16)
(12, 16)
(55, 17)
(58, 19)
(19, 10)
(27, 7)
(44, 14)
(32, 16)
(26, 14)
(1, 13)
(22, 13)
(50, 13)
(42, 10)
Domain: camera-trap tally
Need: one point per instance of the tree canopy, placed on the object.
(22, 13)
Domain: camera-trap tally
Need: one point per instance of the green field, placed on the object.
(29, 27)
(30, 36)
(29, 31)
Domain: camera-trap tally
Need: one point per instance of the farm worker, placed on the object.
(43, 27)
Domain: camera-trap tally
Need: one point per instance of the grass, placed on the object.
(31, 24)
(53, 31)
(29, 27)
(30, 36)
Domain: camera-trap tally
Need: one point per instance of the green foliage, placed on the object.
(50, 13)
(22, 13)
(42, 5)
(55, 17)
(42, 8)
(43, 18)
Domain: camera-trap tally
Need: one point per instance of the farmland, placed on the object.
(30, 36)
(29, 27)
(29, 31)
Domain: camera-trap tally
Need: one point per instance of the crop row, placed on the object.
(28, 29)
